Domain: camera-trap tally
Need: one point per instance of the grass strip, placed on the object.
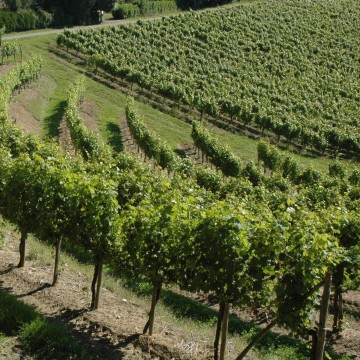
(43, 338)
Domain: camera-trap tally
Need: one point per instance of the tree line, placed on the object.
(31, 14)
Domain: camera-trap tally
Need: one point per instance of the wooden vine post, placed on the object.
(22, 249)
(218, 330)
(149, 326)
(338, 279)
(324, 311)
(57, 260)
(224, 329)
(96, 282)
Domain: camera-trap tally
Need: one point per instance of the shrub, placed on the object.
(44, 20)
(125, 11)
(156, 7)
(24, 20)
(337, 170)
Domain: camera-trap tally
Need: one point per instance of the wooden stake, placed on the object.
(22, 249)
(57, 261)
(224, 330)
(324, 311)
(99, 281)
(218, 330)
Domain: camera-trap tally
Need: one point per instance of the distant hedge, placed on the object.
(125, 11)
(25, 20)
(142, 8)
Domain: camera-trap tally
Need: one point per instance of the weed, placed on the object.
(13, 314)
(49, 340)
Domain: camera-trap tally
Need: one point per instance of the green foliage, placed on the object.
(354, 177)
(89, 144)
(152, 145)
(219, 245)
(301, 267)
(142, 8)
(15, 5)
(2, 32)
(249, 80)
(68, 12)
(208, 179)
(200, 4)
(337, 170)
(125, 11)
(218, 154)
(290, 168)
(25, 20)
(154, 7)
(14, 79)
(255, 246)
(8, 49)
(269, 156)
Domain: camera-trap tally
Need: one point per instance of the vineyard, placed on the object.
(273, 237)
(272, 65)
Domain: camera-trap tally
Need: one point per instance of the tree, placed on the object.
(105, 5)
(15, 5)
(69, 11)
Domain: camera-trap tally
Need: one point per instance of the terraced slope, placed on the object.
(290, 67)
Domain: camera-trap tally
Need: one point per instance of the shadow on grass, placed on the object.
(115, 138)
(52, 122)
(185, 308)
(91, 336)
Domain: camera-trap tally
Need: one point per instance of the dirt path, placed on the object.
(105, 23)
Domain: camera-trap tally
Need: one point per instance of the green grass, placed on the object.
(107, 16)
(177, 132)
(13, 314)
(50, 340)
(46, 339)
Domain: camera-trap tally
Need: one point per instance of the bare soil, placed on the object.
(32, 95)
(89, 113)
(114, 331)
(23, 118)
(5, 68)
(65, 138)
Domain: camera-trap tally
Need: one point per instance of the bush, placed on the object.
(337, 170)
(125, 11)
(156, 7)
(45, 19)
(24, 20)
